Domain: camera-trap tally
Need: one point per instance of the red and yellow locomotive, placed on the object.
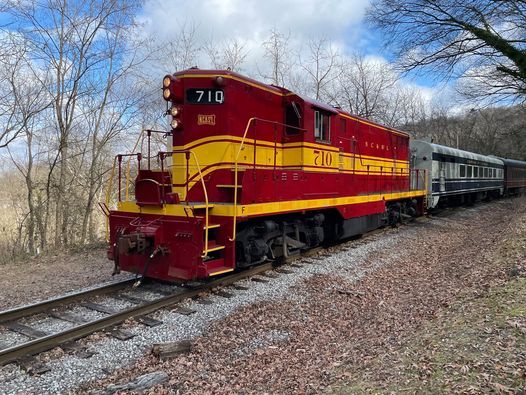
(254, 172)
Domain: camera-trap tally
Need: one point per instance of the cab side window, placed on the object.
(292, 118)
(322, 126)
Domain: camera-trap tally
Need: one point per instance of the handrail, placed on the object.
(107, 198)
(109, 188)
(148, 157)
(247, 128)
(194, 156)
(235, 177)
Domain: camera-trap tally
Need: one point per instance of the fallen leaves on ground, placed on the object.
(404, 327)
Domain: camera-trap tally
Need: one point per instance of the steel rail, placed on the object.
(39, 307)
(48, 342)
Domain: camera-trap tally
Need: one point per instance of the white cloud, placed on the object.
(252, 19)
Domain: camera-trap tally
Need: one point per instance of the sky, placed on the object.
(342, 22)
(250, 21)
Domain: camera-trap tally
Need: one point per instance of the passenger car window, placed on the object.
(462, 171)
(475, 172)
(470, 171)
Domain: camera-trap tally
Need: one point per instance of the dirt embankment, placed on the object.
(52, 275)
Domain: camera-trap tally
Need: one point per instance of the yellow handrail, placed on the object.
(236, 163)
(207, 205)
(235, 176)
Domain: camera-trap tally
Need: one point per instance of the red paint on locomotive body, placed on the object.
(291, 155)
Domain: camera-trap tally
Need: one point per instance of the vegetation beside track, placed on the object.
(476, 345)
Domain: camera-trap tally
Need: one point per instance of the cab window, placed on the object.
(292, 118)
(322, 126)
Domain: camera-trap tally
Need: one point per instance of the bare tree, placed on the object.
(230, 55)
(277, 53)
(361, 86)
(180, 52)
(21, 88)
(490, 131)
(481, 41)
(404, 105)
(320, 64)
(70, 40)
(110, 110)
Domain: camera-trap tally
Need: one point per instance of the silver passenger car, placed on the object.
(455, 174)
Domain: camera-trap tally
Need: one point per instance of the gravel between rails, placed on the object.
(352, 261)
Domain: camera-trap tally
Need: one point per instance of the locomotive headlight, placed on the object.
(175, 123)
(166, 81)
(219, 81)
(166, 93)
(175, 111)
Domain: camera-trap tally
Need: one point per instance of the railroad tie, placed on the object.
(78, 350)
(120, 334)
(99, 307)
(69, 317)
(25, 330)
(270, 275)
(284, 271)
(296, 265)
(148, 321)
(171, 349)
(224, 294)
(131, 299)
(184, 310)
(32, 367)
(259, 280)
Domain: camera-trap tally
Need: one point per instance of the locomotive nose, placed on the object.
(141, 239)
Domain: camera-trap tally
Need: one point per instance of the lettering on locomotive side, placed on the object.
(382, 147)
(322, 158)
(208, 119)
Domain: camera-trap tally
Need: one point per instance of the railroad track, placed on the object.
(41, 341)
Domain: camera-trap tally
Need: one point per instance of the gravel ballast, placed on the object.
(261, 329)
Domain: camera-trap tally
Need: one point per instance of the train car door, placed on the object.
(442, 176)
